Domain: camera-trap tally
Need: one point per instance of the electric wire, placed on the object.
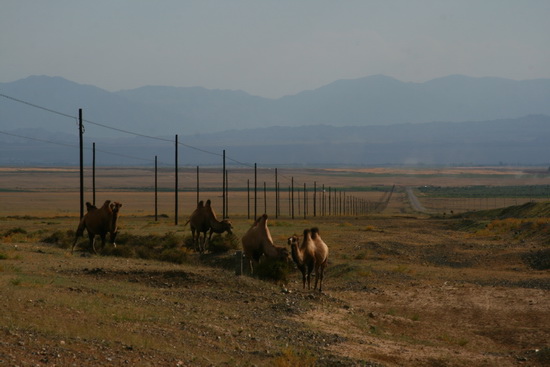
(119, 130)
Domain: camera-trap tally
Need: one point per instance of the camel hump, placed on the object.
(208, 202)
(306, 232)
(106, 204)
(200, 204)
(314, 232)
(90, 206)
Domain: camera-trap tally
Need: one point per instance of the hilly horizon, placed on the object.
(521, 141)
(371, 120)
(373, 100)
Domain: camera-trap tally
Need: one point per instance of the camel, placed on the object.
(257, 241)
(99, 222)
(204, 219)
(311, 254)
(321, 256)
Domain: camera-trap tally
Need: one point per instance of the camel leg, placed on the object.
(318, 278)
(203, 244)
(102, 241)
(195, 240)
(113, 238)
(92, 241)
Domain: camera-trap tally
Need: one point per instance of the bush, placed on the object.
(539, 260)
(175, 255)
(11, 232)
(221, 244)
(273, 269)
(61, 239)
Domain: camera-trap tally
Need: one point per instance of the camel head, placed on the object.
(115, 208)
(293, 241)
(283, 254)
(227, 226)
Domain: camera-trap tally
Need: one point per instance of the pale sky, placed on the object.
(271, 48)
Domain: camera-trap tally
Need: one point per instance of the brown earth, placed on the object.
(399, 291)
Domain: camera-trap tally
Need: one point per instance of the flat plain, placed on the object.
(402, 288)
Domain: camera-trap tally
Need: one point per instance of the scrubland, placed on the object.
(401, 289)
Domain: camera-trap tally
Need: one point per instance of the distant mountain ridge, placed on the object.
(521, 141)
(373, 100)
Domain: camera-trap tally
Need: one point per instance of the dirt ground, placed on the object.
(399, 291)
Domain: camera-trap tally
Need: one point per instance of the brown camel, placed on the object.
(257, 241)
(99, 222)
(204, 219)
(321, 256)
(311, 254)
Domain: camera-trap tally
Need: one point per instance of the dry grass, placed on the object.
(400, 290)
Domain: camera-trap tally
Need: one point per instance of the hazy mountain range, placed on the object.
(372, 120)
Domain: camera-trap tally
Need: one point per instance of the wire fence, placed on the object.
(281, 195)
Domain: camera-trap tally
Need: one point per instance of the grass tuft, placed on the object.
(292, 358)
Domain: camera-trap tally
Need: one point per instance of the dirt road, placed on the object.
(415, 203)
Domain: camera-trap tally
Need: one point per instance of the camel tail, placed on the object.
(189, 220)
(79, 233)
(81, 228)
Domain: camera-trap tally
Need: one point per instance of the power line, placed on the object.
(37, 106)
(120, 130)
(74, 146)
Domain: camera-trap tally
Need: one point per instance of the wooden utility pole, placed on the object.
(292, 196)
(224, 214)
(81, 132)
(198, 196)
(176, 185)
(93, 172)
(276, 195)
(255, 191)
(156, 190)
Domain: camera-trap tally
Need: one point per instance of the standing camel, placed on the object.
(204, 219)
(99, 221)
(257, 241)
(321, 257)
(311, 254)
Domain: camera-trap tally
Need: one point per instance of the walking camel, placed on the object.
(99, 221)
(257, 241)
(311, 254)
(204, 219)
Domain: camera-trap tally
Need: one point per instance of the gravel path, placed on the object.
(415, 203)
